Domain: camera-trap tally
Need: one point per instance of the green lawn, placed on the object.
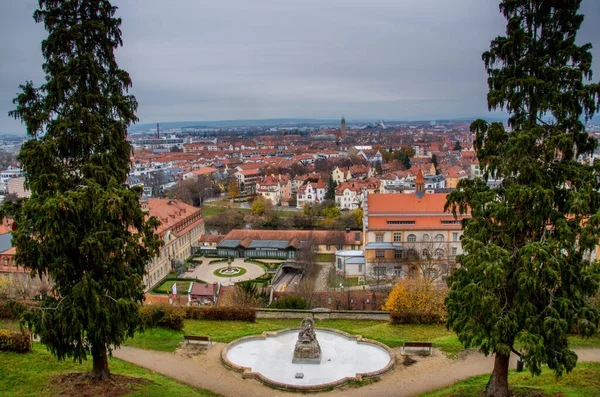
(325, 258)
(167, 285)
(218, 273)
(9, 324)
(584, 381)
(30, 374)
(382, 331)
(226, 331)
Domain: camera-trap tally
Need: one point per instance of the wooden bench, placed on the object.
(418, 345)
(188, 338)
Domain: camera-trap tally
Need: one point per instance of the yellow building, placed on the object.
(407, 234)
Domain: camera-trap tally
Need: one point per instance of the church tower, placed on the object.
(420, 182)
(343, 128)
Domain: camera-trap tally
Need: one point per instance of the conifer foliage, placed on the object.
(82, 226)
(528, 270)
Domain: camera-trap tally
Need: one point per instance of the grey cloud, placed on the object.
(234, 59)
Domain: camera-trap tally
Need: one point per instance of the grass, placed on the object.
(9, 324)
(226, 331)
(30, 374)
(241, 272)
(584, 381)
(324, 258)
(166, 287)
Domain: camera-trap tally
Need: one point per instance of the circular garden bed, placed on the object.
(235, 271)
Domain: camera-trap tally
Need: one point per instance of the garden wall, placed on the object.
(322, 315)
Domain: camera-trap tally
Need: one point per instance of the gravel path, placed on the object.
(322, 277)
(430, 373)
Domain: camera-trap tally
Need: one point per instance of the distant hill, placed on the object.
(238, 123)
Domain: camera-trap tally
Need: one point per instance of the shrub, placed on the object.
(14, 341)
(416, 318)
(417, 296)
(290, 302)
(11, 309)
(232, 313)
(163, 316)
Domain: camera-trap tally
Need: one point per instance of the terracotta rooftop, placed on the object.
(406, 203)
(318, 236)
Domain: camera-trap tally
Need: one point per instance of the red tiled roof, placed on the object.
(406, 203)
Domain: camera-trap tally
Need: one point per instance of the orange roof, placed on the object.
(318, 236)
(170, 212)
(406, 203)
(205, 171)
(421, 222)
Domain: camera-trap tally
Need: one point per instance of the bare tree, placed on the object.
(430, 257)
(378, 272)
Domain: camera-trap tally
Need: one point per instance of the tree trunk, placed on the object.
(498, 383)
(100, 364)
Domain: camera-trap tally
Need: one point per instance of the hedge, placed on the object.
(11, 309)
(14, 341)
(290, 302)
(217, 261)
(416, 318)
(221, 313)
(163, 316)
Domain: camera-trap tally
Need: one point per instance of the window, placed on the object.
(360, 268)
(328, 247)
(411, 238)
(400, 222)
(380, 271)
(379, 254)
(425, 253)
(454, 251)
(454, 236)
(379, 238)
(339, 247)
(439, 253)
(398, 271)
(339, 260)
(439, 237)
(5, 261)
(411, 253)
(397, 254)
(356, 236)
(455, 222)
(397, 237)
(426, 237)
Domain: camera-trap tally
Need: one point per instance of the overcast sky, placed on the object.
(241, 59)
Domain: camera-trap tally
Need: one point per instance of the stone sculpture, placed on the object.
(307, 350)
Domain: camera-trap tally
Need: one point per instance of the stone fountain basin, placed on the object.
(344, 357)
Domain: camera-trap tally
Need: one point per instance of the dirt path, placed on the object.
(430, 373)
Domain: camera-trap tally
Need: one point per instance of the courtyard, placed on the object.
(210, 272)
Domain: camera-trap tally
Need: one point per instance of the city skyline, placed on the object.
(197, 61)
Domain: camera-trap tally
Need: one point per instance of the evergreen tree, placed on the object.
(82, 226)
(331, 185)
(378, 168)
(524, 279)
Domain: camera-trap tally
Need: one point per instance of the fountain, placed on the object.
(230, 271)
(307, 359)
